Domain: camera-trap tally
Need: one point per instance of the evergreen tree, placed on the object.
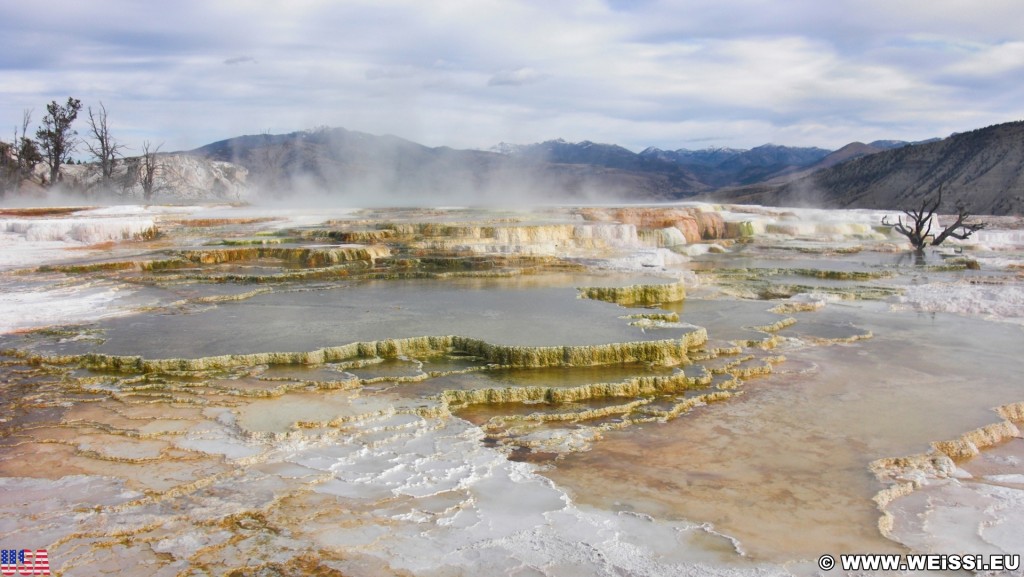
(56, 139)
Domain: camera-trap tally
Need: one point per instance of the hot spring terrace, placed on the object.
(638, 390)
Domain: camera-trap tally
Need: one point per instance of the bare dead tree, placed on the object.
(918, 227)
(56, 138)
(19, 158)
(919, 224)
(104, 148)
(26, 151)
(148, 169)
(959, 230)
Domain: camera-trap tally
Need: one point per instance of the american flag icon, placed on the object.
(24, 562)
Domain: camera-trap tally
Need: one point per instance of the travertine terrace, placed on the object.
(234, 391)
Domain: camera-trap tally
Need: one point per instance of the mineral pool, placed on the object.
(677, 389)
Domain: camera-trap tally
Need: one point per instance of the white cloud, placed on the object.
(516, 77)
(240, 60)
(990, 60)
(470, 73)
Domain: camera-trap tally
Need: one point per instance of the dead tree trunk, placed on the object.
(918, 227)
(148, 170)
(105, 149)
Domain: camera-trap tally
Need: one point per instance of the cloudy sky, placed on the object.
(472, 73)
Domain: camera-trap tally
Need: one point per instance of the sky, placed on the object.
(473, 73)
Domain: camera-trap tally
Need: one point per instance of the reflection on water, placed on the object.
(785, 467)
(500, 311)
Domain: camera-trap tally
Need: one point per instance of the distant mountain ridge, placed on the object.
(340, 161)
(710, 168)
(764, 155)
(711, 156)
(983, 169)
(720, 167)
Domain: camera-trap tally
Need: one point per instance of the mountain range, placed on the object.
(339, 161)
(982, 170)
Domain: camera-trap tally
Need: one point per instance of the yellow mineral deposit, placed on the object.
(373, 236)
(638, 386)
(502, 237)
(660, 352)
(776, 326)
(640, 294)
(306, 256)
(665, 317)
(1012, 412)
(942, 461)
(970, 443)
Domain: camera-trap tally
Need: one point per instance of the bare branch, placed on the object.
(105, 148)
(149, 169)
(918, 227)
(19, 158)
(952, 230)
(899, 227)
